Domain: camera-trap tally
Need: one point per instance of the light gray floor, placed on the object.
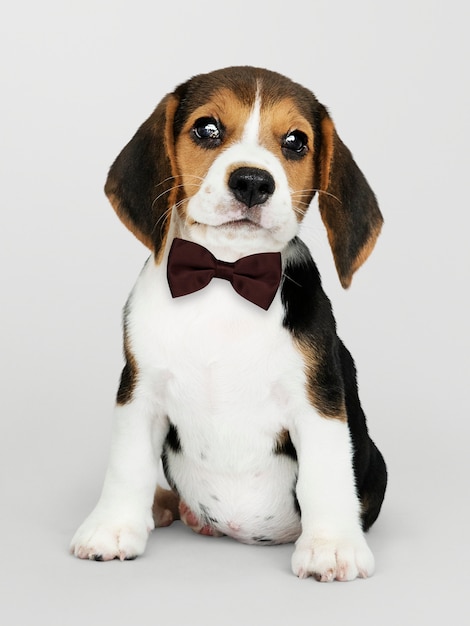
(77, 79)
(185, 578)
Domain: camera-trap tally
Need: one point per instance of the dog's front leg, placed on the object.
(119, 525)
(332, 544)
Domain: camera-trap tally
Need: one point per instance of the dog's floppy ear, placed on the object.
(348, 206)
(140, 183)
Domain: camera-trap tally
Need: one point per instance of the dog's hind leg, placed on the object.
(165, 507)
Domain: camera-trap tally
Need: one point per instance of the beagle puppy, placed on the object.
(239, 382)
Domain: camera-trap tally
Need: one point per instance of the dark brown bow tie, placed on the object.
(191, 267)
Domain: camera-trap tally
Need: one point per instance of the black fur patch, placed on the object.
(285, 446)
(126, 385)
(369, 466)
(172, 445)
(332, 381)
(205, 512)
(130, 371)
(308, 316)
(172, 439)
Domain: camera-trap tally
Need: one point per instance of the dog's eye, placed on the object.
(295, 144)
(207, 132)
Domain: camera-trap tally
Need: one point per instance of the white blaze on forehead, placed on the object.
(252, 126)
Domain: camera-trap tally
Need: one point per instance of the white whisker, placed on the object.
(163, 218)
(170, 189)
(286, 276)
(303, 192)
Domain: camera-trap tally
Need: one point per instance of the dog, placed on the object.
(238, 382)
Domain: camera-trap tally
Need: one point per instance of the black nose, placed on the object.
(251, 185)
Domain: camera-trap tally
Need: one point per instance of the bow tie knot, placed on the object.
(224, 270)
(191, 267)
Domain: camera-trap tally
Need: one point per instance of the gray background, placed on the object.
(77, 78)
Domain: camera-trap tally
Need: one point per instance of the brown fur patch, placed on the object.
(366, 250)
(328, 133)
(284, 445)
(194, 161)
(165, 507)
(277, 120)
(347, 205)
(128, 377)
(327, 398)
(126, 219)
(141, 181)
(169, 142)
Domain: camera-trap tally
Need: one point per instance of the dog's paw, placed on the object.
(101, 539)
(328, 559)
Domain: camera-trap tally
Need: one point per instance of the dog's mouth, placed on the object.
(243, 222)
(234, 224)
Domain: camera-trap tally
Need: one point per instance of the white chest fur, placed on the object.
(226, 375)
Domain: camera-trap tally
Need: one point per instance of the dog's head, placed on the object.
(233, 159)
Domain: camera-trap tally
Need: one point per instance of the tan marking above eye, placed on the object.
(280, 118)
(277, 120)
(224, 107)
(193, 160)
